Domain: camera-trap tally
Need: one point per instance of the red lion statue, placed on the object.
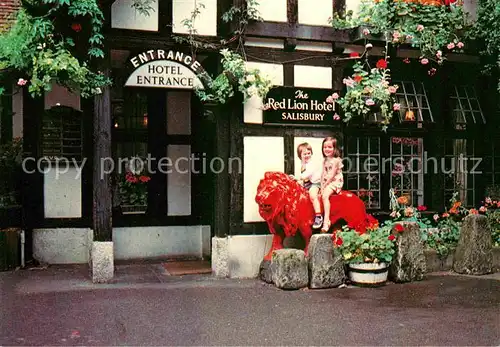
(285, 206)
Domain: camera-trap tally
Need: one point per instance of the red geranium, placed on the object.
(399, 228)
(391, 237)
(422, 208)
(354, 54)
(382, 64)
(76, 27)
(358, 78)
(339, 241)
(144, 178)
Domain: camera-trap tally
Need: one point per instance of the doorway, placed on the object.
(159, 137)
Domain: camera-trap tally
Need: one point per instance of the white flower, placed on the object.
(369, 46)
(250, 78)
(252, 91)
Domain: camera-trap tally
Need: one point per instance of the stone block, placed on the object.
(220, 256)
(474, 252)
(265, 273)
(325, 263)
(102, 262)
(289, 269)
(409, 262)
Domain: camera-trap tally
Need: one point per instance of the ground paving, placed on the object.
(144, 305)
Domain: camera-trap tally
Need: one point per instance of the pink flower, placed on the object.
(370, 102)
(348, 81)
(329, 99)
(420, 27)
(435, 217)
(439, 54)
(424, 61)
(366, 32)
(396, 36)
(336, 117)
(450, 45)
(396, 107)
(431, 72)
(392, 89)
(335, 96)
(482, 209)
(21, 82)
(460, 45)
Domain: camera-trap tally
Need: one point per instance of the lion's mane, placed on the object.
(287, 202)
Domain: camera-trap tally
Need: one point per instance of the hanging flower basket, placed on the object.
(369, 92)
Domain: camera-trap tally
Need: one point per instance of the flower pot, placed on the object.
(368, 274)
(134, 209)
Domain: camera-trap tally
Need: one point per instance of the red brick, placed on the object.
(7, 9)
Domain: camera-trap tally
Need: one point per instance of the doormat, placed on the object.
(192, 267)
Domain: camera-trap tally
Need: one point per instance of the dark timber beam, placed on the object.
(102, 196)
(222, 180)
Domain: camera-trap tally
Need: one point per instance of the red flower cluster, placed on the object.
(76, 27)
(382, 64)
(422, 208)
(129, 177)
(391, 237)
(399, 228)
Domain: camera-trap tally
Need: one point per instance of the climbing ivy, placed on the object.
(487, 33)
(54, 41)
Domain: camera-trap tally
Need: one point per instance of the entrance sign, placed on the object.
(165, 69)
(299, 107)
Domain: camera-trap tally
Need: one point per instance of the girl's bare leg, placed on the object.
(326, 207)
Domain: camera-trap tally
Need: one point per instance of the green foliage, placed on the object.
(133, 188)
(491, 209)
(486, 32)
(369, 91)
(374, 246)
(443, 231)
(429, 28)
(45, 45)
(143, 6)
(10, 172)
(234, 77)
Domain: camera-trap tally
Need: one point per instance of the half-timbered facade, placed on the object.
(202, 203)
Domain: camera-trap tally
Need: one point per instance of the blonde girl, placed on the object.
(332, 179)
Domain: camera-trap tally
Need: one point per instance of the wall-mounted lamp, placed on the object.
(409, 116)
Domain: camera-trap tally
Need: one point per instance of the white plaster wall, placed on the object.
(353, 5)
(264, 42)
(179, 180)
(315, 13)
(62, 191)
(273, 10)
(123, 16)
(60, 96)
(205, 23)
(62, 245)
(312, 76)
(317, 156)
(179, 113)
(17, 109)
(72, 245)
(161, 241)
(314, 46)
(246, 253)
(252, 110)
(260, 154)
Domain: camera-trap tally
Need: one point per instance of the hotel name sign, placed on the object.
(299, 106)
(165, 69)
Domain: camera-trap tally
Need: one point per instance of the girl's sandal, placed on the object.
(326, 227)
